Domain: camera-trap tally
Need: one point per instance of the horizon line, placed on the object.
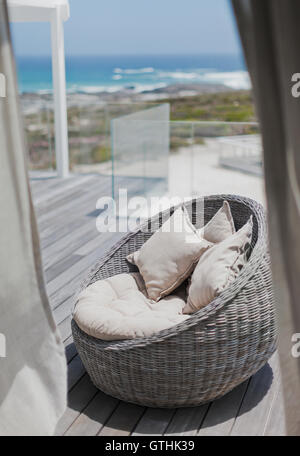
(171, 54)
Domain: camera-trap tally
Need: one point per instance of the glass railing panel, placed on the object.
(89, 148)
(38, 121)
(140, 149)
(181, 159)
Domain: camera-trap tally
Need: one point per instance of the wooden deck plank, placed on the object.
(64, 310)
(47, 208)
(41, 188)
(76, 370)
(94, 416)
(73, 207)
(78, 195)
(222, 413)
(67, 283)
(94, 242)
(187, 421)
(123, 420)
(74, 204)
(58, 191)
(275, 423)
(66, 245)
(70, 348)
(154, 422)
(68, 221)
(257, 401)
(58, 232)
(60, 267)
(59, 187)
(41, 182)
(97, 186)
(65, 328)
(70, 275)
(78, 399)
(73, 210)
(46, 212)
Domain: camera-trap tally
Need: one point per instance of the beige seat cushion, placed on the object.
(170, 255)
(117, 308)
(220, 226)
(217, 268)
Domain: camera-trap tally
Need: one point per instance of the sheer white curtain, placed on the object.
(33, 372)
(270, 34)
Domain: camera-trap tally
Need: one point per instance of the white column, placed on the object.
(59, 90)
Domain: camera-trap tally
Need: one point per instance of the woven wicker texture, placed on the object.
(209, 354)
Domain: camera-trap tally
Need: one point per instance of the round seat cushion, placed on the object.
(118, 308)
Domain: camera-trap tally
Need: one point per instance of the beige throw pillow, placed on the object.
(169, 256)
(217, 268)
(220, 226)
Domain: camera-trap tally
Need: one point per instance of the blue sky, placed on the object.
(114, 27)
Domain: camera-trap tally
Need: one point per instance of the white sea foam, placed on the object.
(138, 88)
(160, 79)
(45, 91)
(134, 70)
(179, 75)
(97, 89)
(232, 79)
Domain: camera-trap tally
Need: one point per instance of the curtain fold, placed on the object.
(32, 360)
(270, 35)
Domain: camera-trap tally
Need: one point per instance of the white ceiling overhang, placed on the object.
(37, 10)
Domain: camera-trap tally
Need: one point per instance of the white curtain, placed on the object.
(270, 33)
(33, 371)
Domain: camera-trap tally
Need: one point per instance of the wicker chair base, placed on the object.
(210, 353)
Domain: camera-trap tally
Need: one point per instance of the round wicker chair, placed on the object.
(209, 354)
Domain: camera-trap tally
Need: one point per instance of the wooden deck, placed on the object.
(70, 245)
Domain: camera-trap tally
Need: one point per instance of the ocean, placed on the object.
(92, 74)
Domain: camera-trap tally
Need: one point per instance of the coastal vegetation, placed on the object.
(232, 106)
(89, 125)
